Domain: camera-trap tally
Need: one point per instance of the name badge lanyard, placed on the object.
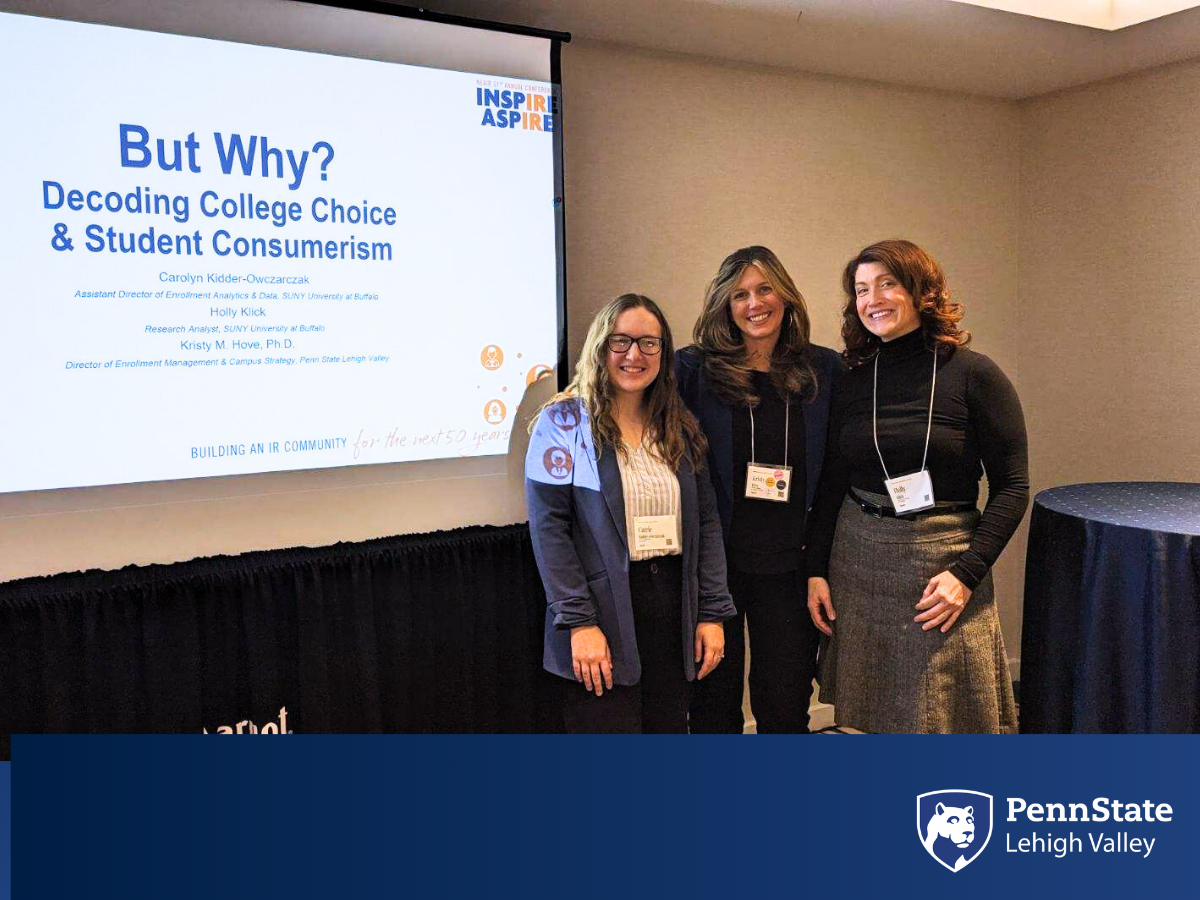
(914, 492)
(787, 421)
(770, 482)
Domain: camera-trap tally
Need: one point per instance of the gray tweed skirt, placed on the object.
(883, 673)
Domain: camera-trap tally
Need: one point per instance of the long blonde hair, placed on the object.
(725, 361)
(671, 429)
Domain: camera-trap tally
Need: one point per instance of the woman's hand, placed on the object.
(820, 605)
(590, 658)
(942, 603)
(710, 646)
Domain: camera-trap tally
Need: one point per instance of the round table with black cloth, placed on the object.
(1111, 634)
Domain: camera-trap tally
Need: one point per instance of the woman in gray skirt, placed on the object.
(900, 558)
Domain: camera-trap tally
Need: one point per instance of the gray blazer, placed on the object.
(577, 522)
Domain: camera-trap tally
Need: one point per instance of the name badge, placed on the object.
(911, 493)
(655, 533)
(769, 482)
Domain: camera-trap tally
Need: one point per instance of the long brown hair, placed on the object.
(726, 364)
(672, 430)
(923, 278)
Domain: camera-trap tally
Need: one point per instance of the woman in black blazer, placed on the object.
(761, 392)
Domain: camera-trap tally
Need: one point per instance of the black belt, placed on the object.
(887, 512)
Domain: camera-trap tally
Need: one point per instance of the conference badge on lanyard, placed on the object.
(914, 492)
(766, 482)
(911, 493)
(655, 533)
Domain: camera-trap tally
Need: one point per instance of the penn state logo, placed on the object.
(954, 826)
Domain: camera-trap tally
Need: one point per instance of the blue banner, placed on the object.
(981, 816)
(5, 829)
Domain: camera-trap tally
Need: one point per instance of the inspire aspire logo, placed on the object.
(954, 826)
(521, 107)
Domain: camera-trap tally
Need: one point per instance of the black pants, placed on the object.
(783, 659)
(658, 704)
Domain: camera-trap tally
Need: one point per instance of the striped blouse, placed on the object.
(650, 489)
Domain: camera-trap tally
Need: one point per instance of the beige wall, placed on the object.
(1110, 262)
(1109, 250)
(1055, 218)
(672, 162)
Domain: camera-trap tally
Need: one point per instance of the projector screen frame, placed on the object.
(412, 12)
(555, 39)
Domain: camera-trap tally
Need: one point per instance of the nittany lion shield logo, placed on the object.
(954, 826)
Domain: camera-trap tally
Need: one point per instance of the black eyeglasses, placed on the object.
(620, 343)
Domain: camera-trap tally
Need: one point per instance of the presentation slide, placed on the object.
(220, 258)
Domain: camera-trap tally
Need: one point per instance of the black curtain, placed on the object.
(426, 633)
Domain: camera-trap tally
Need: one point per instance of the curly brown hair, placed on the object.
(923, 278)
(671, 428)
(725, 362)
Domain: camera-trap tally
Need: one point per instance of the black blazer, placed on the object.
(716, 418)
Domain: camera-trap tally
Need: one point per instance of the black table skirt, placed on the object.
(419, 633)
(1111, 631)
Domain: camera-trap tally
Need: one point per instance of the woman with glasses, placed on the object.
(761, 392)
(625, 532)
(900, 556)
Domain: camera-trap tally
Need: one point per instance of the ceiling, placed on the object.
(1109, 14)
(938, 44)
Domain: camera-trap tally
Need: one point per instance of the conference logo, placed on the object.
(517, 107)
(954, 826)
(558, 462)
(565, 415)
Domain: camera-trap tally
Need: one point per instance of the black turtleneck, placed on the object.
(977, 425)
